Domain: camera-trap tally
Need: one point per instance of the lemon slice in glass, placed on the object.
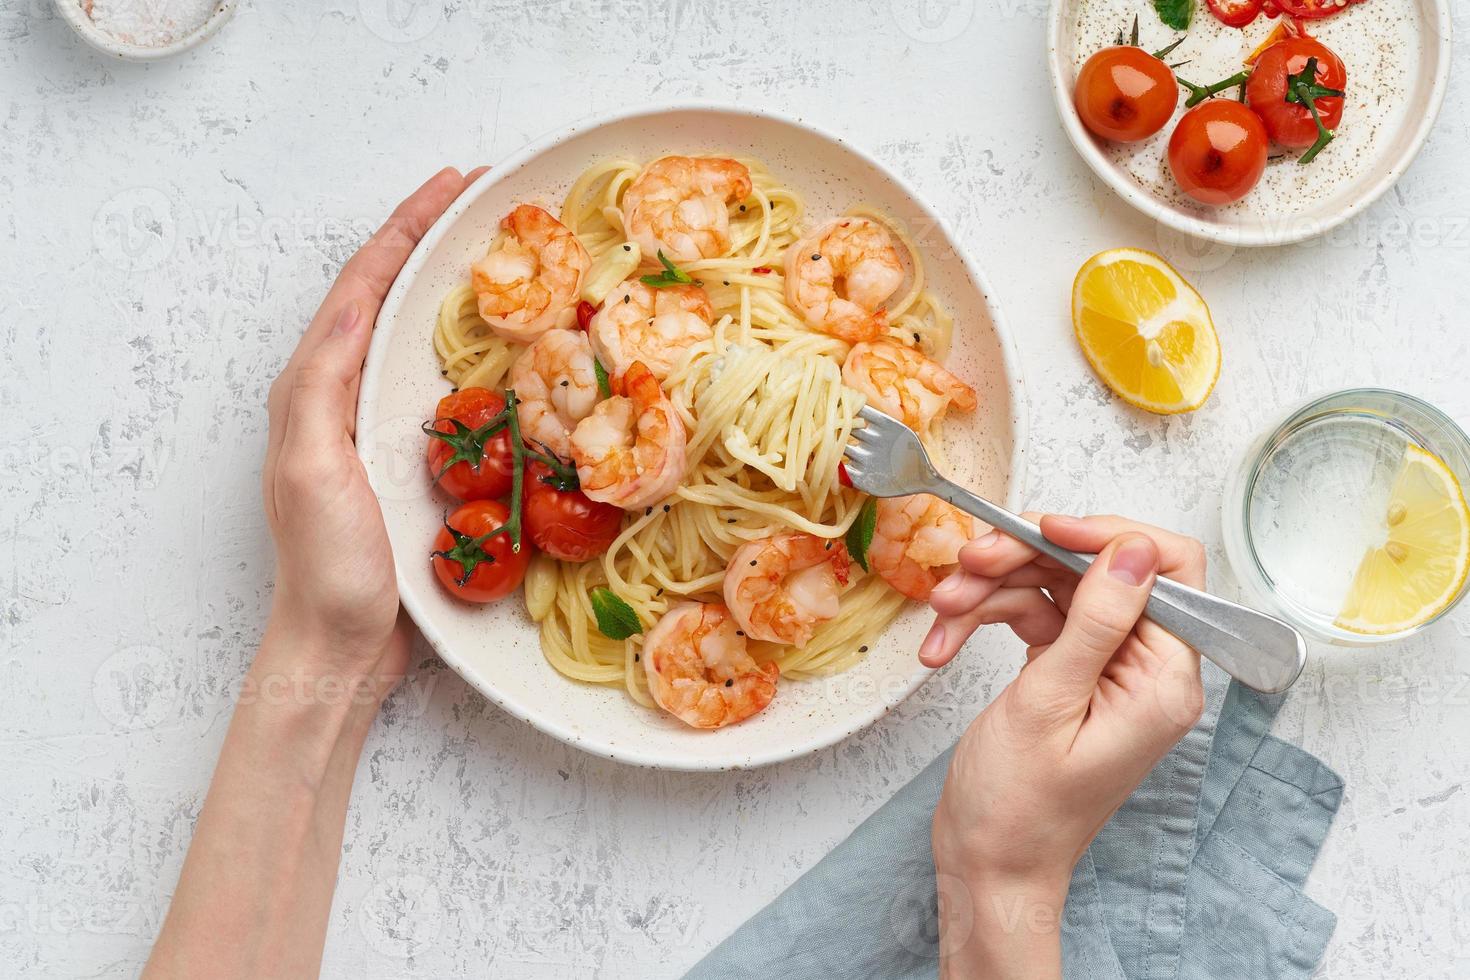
(1420, 568)
(1145, 331)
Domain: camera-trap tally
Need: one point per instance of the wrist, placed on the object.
(328, 681)
(998, 926)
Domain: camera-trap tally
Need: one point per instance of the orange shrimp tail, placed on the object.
(639, 384)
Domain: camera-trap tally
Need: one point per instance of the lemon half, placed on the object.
(1421, 567)
(1145, 331)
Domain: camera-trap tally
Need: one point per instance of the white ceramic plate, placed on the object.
(1397, 55)
(495, 647)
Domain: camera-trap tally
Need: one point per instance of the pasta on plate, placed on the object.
(699, 349)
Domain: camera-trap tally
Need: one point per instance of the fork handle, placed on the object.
(1264, 653)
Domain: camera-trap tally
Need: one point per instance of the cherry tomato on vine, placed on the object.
(1125, 94)
(1218, 151)
(471, 566)
(1234, 13)
(562, 521)
(1290, 123)
(464, 457)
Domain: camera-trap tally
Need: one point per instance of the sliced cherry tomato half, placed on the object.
(1218, 151)
(1125, 94)
(562, 521)
(1311, 9)
(471, 566)
(1234, 13)
(467, 461)
(1290, 123)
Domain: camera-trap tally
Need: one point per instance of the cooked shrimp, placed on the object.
(780, 588)
(905, 383)
(838, 277)
(532, 282)
(630, 451)
(557, 387)
(699, 671)
(655, 326)
(680, 205)
(916, 542)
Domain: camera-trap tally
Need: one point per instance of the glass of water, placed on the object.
(1349, 517)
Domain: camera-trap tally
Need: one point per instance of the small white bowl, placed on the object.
(71, 12)
(1241, 223)
(496, 647)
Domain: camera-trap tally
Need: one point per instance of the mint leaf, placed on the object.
(603, 387)
(671, 276)
(616, 620)
(1175, 13)
(860, 533)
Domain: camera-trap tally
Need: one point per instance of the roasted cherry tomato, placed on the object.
(470, 565)
(1218, 151)
(1234, 13)
(1290, 123)
(1124, 93)
(468, 461)
(562, 521)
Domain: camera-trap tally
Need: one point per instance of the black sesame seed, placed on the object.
(917, 340)
(666, 508)
(564, 382)
(816, 256)
(729, 681)
(659, 592)
(444, 374)
(454, 389)
(827, 546)
(636, 658)
(742, 207)
(627, 297)
(647, 511)
(727, 282)
(627, 248)
(752, 563)
(863, 648)
(740, 632)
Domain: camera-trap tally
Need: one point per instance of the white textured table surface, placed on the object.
(167, 230)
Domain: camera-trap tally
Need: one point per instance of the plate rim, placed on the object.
(648, 755)
(1246, 237)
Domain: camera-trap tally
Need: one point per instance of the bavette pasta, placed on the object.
(766, 413)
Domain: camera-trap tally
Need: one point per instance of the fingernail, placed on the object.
(949, 584)
(347, 320)
(933, 643)
(1134, 561)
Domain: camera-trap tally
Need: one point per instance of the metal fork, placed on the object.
(1260, 651)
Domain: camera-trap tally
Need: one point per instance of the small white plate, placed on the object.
(71, 11)
(1409, 39)
(495, 647)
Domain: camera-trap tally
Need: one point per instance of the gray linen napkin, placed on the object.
(1197, 877)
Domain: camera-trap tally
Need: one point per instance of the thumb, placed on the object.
(324, 390)
(1108, 602)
